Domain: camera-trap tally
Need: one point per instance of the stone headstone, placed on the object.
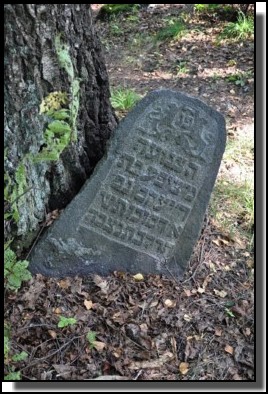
(142, 209)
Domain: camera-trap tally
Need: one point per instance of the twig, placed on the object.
(36, 239)
(138, 374)
(110, 377)
(51, 354)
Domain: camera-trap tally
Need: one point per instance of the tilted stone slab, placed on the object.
(142, 209)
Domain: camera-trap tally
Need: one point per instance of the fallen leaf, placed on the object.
(52, 333)
(99, 346)
(184, 368)
(64, 284)
(187, 317)
(250, 263)
(237, 377)
(216, 242)
(138, 277)
(201, 290)
(117, 354)
(187, 292)
(88, 304)
(206, 281)
(63, 369)
(101, 283)
(166, 357)
(220, 242)
(212, 267)
(247, 331)
(169, 303)
(218, 332)
(239, 243)
(229, 349)
(154, 303)
(220, 293)
(57, 310)
(144, 328)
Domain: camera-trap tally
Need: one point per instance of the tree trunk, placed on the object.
(36, 35)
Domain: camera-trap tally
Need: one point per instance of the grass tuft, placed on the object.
(124, 99)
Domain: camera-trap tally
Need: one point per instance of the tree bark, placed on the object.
(32, 71)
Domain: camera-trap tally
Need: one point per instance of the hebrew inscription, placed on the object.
(149, 192)
(145, 202)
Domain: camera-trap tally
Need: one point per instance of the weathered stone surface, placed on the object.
(143, 207)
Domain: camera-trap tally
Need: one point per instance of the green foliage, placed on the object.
(174, 30)
(63, 53)
(13, 191)
(242, 29)
(116, 30)
(15, 272)
(206, 7)
(13, 376)
(229, 312)
(124, 99)
(6, 346)
(238, 200)
(91, 337)
(231, 63)
(58, 133)
(240, 78)
(20, 356)
(117, 8)
(182, 68)
(64, 57)
(66, 321)
(53, 102)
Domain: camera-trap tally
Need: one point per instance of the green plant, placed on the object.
(13, 191)
(133, 19)
(124, 99)
(206, 7)
(242, 29)
(6, 346)
(116, 30)
(182, 68)
(20, 356)
(240, 78)
(65, 61)
(13, 376)
(215, 77)
(231, 63)
(237, 202)
(229, 312)
(66, 321)
(110, 9)
(15, 272)
(91, 337)
(174, 30)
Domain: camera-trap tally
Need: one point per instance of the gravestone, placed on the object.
(142, 209)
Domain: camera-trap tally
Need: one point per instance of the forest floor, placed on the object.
(199, 328)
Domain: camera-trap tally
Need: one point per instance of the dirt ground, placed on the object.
(200, 328)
